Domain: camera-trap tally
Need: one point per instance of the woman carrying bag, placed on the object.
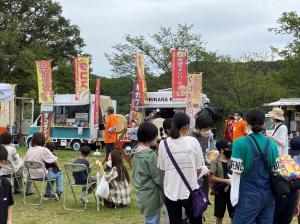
(253, 157)
(180, 157)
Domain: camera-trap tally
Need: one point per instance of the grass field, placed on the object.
(53, 212)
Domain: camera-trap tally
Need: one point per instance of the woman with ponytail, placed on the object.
(251, 189)
(187, 153)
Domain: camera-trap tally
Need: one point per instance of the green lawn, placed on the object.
(53, 212)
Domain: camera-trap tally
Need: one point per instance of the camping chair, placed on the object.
(13, 175)
(33, 165)
(71, 168)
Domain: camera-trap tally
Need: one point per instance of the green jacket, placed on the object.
(148, 181)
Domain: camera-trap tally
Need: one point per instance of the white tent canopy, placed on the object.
(285, 102)
(6, 92)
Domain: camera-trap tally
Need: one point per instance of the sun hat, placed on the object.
(277, 114)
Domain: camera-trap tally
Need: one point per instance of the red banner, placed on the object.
(44, 78)
(179, 74)
(82, 72)
(46, 120)
(142, 86)
(97, 103)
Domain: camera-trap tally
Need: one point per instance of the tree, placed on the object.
(289, 24)
(31, 30)
(156, 48)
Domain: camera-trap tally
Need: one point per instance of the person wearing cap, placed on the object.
(280, 133)
(219, 178)
(110, 134)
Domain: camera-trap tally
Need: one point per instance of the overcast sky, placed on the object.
(231, 27)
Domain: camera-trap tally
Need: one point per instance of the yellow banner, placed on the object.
(44, 79)
(197, 90)
(82, 78)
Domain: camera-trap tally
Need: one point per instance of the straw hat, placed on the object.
(277, 114)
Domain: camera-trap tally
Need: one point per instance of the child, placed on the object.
(146, 177)
(6, 197)
(219, 178)
(53, 166)
(81, 177)
(119, 182)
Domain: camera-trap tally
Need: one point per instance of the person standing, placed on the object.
(280, 133)
(239, 126)
(133, 131)
(187, 152)
(110, 134)
(229, 123)
(146, 176)
(219, 178)
(250, 182)
(6, 197)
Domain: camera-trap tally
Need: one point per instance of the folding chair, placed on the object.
(71, 168)
(13, 175)
(33, 165)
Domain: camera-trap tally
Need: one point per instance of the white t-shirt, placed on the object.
(282, 135)
(188, 154)
(14, 157)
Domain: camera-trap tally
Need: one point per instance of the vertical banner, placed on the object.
(140, 69)
(135, 113)
(97, 103)
(193, 95)
(44, 78)
(179, 74)
(82, 73)
(46, 120)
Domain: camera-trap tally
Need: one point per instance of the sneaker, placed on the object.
(58, 195)
(83, 198)
(29, 193)
(49, 197)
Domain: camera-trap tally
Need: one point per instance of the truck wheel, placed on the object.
(76, 144)
(29, 141)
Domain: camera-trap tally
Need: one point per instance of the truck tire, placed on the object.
(29, 141)
(76, 144)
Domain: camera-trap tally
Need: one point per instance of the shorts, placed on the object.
(221, 202)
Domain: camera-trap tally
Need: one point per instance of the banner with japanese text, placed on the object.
(97, 103)
(82, 73)
(46, 120)
(135, 113)
(179, 74)
(193, 95)
(140, 69)
(44, 79)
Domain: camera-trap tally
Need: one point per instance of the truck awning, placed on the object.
(284, 102)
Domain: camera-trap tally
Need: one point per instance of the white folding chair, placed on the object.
(34, 165)
(12, 175)
(71, 168)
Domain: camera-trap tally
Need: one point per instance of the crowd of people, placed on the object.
(235, 171)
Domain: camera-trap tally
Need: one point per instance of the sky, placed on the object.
(229, 27)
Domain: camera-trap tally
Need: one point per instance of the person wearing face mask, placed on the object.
(6, 196)
(187, 153)
(280, 134)
(146, 177)
(239, 126)
(219, 178)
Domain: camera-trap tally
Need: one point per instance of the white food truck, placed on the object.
(72, 123)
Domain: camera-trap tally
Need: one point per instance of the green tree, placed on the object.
(31, 30)
(289, 24)
(156, 48)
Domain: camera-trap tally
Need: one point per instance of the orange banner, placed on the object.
(44, 79)
(97, 103)
(142, 86)
(82, 73)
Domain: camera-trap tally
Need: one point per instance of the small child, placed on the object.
(6, 197)
(81, 177)
(53, 166)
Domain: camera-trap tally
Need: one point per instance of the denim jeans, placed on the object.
(58, 176)
(153, 219)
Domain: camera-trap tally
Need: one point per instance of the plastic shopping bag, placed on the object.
(102, 188)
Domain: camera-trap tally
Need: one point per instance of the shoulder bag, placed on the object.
(199, 198)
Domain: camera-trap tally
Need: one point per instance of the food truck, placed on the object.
(16, 113)
(71, 122)
(291, 107)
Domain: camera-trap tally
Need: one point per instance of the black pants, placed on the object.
(108, 148)
(175, 211)
(222, 200)
(284, 209)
